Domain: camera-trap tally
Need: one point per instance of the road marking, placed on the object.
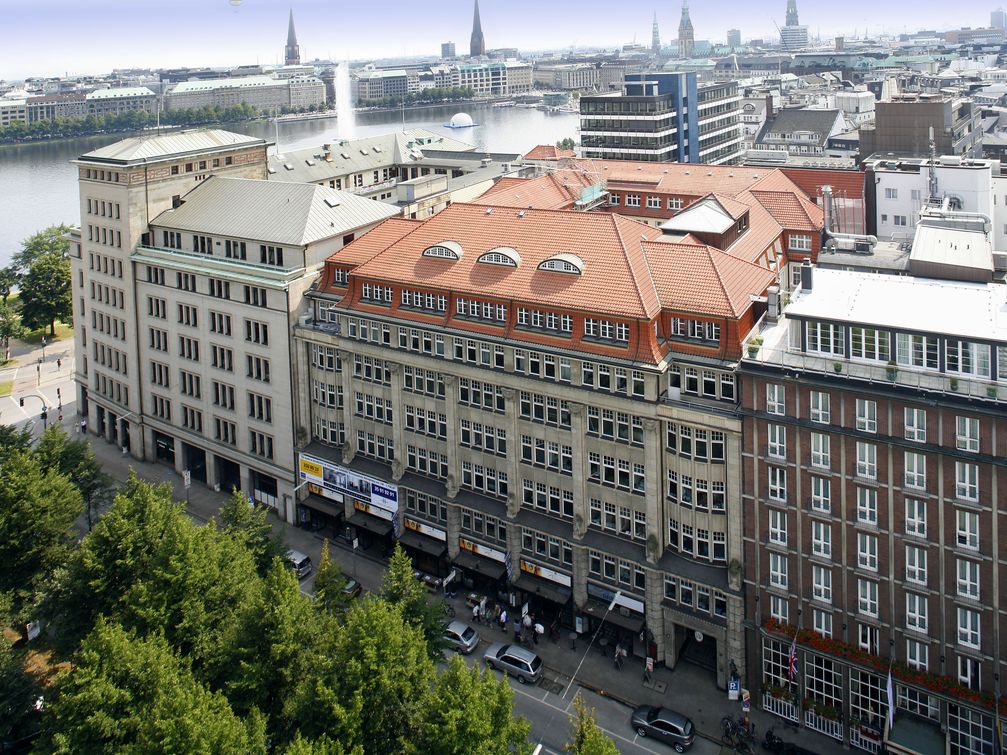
(611, 734)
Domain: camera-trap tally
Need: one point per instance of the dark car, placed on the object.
(352, 589)
(664, 725)
(514, 660)
(461, 637)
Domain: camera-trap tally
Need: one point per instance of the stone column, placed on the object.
(656, 538)
(514, 546)
(581, 510)
(350, 446)
(580, 572)
(655, 611)
(513, 455)
(454, 529)
(398, 424)
(454, 455)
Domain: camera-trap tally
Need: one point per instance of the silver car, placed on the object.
(665, 725)
(461, 637)
(514, 660)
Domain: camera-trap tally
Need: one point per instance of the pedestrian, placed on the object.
(475, 613)
(503, 620)
(539, 630)
(59, 364)
(648, 670)
(517, 630)
(83, 427)
(526, 621)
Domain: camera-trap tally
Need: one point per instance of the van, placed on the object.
(298, 563)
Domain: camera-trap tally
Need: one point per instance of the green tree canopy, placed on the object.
(37, 509)
(12, 441)
(51, 240)
(401, 588)
(45, 292)
(8, 279)
(249, 526)
(329, 584)
(587, 738)
(132, 694)
(18, 689)
(76, 460)
(469, 711)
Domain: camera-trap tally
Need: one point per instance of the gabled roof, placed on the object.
(137, 149)
(617, 279)
(549, 152)
(789, 121)
(791, 210)
(374, 241)
(553, 191)
(708, 215)
(272, 211)
(699, 278)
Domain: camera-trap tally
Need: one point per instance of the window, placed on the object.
(821, 494)
(966, 481)
(916, 517)
(818, 407)
(820, 450)
(778, 484)
(778, 571)
(915, 470)
(822, 622)
(968, 628)
(917, 656)
(916, 564)
(967, 434)
(967, 358)
(916, 612)
(867, 598)
(821, 539)
(891, 193)
(916, 425)
(867, 551)
(968, 579)
(867, 415)
(800, 242)
(777, 441)
(869, 343)
(779, 608)
(821, 582)
(777, 527)
(867, 506)
(775, 398)
(968, 530)
(867, 460)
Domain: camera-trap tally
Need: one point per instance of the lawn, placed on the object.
(62, 331)
(6, 387)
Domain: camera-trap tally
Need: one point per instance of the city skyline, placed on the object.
(38, 47)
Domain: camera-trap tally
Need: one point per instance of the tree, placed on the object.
(587, 738)
(249, 526)
(401, 588)
(469, 711)
(18, 689)
(76, 460)
(368, 688)
(45, 292)
(8, 279)
(321, 746)
(51, 240)
(134, 695)
(12, 441)
(10, 323)
(566, 143)
(329, 585)
(37, 509)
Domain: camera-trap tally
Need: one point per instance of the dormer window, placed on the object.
(563, 263)
(502, 255)
(446, 250)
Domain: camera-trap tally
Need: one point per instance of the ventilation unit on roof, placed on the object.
(344, 156)
(332, 202)
(376, 149)
(288, 166)
(363, 152)
(521, 213)
(309, 163)
(489, 210)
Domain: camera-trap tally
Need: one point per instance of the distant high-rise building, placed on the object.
(477, 46)
(793, 36)
(448, 50)
(686, 37)
(734, 38)
(292, 54)
(998, 19)
(655, 39)
(792, 13)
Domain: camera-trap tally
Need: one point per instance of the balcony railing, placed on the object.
(827, 726)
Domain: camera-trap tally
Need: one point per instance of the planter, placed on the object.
(892, 371)
(991, 391)
(753, 351)
(954, 384)
(837, 366)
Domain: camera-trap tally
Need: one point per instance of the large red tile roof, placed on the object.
(553, 191)
(549, 152)
(617, 278)
(791, 210)
(699, 278)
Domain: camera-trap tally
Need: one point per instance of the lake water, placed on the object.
(38, 185)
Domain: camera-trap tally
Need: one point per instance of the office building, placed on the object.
(477, 45)
(292, 52)
(905, 124)
(448, 51)
(998, 19)
(188, 274)
(734, 39)
(800, 133)
(873, 488)
(566, 76)
(793, 36)
(686, 36)
(122, 100)
(663, 117)
(261, 92)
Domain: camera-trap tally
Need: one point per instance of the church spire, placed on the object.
(686, 38)
(655, 39)
(477, 45)
(292, 53)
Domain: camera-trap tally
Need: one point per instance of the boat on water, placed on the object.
(505, 103)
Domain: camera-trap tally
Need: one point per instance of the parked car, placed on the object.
(514, 660)
(664, 725)
(461, 636)
(352, 588)
(298, 563)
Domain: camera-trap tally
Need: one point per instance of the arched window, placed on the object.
(564, 262)
(446, 250)
(502, 255)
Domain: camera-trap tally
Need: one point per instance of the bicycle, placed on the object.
(449, 610)
(736, 736)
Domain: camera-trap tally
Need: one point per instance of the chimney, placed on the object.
(807, 275)
(827, 208)
(769, 106)
(773, 305)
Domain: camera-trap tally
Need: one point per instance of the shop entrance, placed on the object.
(194, 460)
(696, 648)
(228, 474)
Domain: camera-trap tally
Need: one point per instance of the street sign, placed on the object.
(187, 478)
(733, 689)
(746, 701)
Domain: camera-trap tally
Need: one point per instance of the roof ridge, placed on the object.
(617, 219)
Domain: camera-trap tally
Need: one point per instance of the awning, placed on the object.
(424, 544)
(317, 503)
(371, 524)
(485, 566)
(633, 622)
(543, 589)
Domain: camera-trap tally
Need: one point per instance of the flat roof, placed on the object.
(969, 310)
(150, 147)
(952, 246)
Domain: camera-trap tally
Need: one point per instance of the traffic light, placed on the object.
(21, 401)
(58, 394)
(44, 415)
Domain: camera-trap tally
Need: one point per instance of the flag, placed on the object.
(792, 660)
(891, 701)
(509, 563)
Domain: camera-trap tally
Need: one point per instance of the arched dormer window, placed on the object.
(446, 250)
(501, 255)
(565, 262)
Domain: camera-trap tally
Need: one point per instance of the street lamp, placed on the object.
(45, 408)
(611, 605)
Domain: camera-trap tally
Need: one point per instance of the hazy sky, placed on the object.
(50, 37)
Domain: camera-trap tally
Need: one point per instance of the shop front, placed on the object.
(618, 619)
(373, 527)
(546, 592)
(322, 511)
(483, 569)
(426, 545)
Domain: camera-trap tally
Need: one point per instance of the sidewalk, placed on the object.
(687, 689)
